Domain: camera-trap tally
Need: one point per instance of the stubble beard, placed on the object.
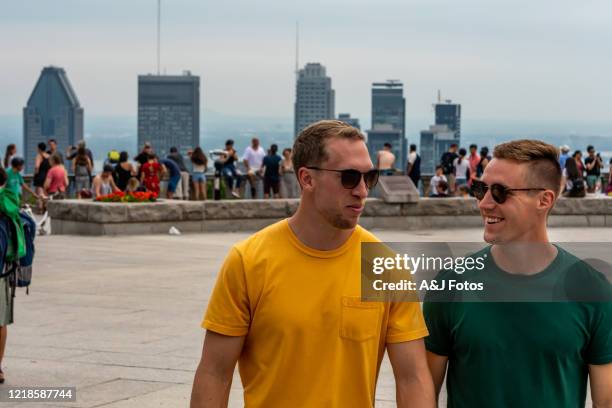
(340, 222)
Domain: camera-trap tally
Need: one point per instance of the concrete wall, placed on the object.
(84, 217)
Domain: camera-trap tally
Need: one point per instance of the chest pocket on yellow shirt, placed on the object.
(359, 321)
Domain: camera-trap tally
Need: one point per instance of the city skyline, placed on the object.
(513, 54)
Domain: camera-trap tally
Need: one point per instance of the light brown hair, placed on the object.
(309, 147)
(541, 158)
(56, 159)
(132, 184)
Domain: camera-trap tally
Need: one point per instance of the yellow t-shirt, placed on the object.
(310, 341)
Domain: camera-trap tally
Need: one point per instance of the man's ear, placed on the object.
(547, 200)
(304, 177)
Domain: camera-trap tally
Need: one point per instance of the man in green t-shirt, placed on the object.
(14, 181)
(523, 351)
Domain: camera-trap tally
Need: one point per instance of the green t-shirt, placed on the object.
(14, 181)
(523, 354)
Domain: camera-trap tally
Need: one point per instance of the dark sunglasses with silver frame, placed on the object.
(350, 178)
(499, 192)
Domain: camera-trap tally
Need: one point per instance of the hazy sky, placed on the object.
(501, 59)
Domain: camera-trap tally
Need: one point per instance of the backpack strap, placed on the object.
(9, 269)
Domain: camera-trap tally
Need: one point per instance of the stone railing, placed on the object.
(85, 217)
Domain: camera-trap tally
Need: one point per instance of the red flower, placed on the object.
(120, 196)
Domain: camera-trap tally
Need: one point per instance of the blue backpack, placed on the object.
(24, 271)
(19, 272)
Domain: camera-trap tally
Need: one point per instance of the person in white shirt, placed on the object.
(253, 161)
(433, 184)
(462, 166)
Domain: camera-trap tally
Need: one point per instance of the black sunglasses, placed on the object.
(498, 192)
(350, 178)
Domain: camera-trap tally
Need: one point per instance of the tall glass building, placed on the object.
(169, 112)
(53, 111)
(315, 98)
(434, 142)
(389, 121)
(438, 138)
(449, 114)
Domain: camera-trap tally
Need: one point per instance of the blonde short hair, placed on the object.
(309, 147)
(541, 158)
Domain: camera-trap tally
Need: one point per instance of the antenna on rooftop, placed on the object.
(158, 34)
(433, 105)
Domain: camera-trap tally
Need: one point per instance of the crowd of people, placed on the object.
(179, 177)
(583, 176)
(175, 176)
(50, 176)
(458, 168)
(453, 174)
(274, 171)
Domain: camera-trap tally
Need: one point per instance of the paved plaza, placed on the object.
(119, 317)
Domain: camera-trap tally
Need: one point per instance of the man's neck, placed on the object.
(526, 256)
(315, 232)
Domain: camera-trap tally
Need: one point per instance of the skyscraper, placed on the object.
(439, 137)
(434, 141)
(315, 98)
(169, 112)
(346, 118)
(388, 104)
(389, 120)
(449, 114)
(53, 111)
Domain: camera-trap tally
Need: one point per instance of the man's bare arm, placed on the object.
(413, 384)
(601, 385)
(213, 378)
(437, 367)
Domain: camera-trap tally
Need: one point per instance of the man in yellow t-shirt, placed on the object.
(287, 304)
